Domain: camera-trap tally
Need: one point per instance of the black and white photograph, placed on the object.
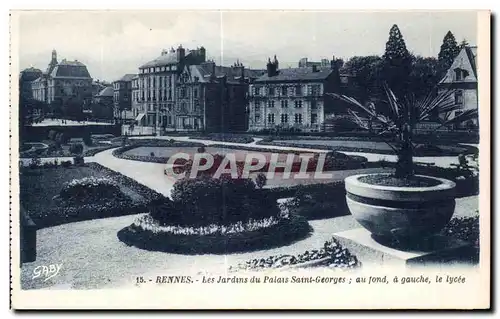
(258, 159)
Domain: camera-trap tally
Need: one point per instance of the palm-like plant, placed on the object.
(402, 115)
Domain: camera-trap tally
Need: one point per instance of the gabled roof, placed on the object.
(107, 91)
(167, 58)
(466, 60)
(297, 74)
(127, 78)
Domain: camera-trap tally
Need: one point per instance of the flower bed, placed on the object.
(240, 237)
(464, 228)
(331, 255)
(120, 152)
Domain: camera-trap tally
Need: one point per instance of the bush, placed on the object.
(201, 149)
(90, 189)
(66, 164)
(76, 148)
(78, 160)
(261, 180)
(152, 154)
(205, 200)
(52, 135)
(87, 139)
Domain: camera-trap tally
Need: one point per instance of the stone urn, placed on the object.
(401, 213)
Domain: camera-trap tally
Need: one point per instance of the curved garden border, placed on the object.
(119, 152)
(284, 233)
(468, 149)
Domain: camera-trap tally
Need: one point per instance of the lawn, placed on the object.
(368, 146)
(167, 152)
(39, 186)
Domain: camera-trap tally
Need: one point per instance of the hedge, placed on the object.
(151, 143)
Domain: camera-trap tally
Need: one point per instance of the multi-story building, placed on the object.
(296, 97)
(213, 98)
(157, 86)
(122, 97)
(64, 83)
(462, 77)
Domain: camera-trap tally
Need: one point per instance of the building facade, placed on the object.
(295, 98)
(64, 83)
(213, 98)
(157, 79)
(122, 97)
(462, 77)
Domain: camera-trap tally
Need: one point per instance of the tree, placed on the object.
(448, 52)
(404, 114)
(424, 75)
(397, 62)
(367, 71)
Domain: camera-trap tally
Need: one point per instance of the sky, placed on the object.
(114, 43)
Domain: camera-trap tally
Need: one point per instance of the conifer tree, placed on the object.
(397, 62)
(448, 52)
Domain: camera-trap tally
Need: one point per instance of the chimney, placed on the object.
(270, 67)
(314, 68)
(180, 53)
(203, 53)
(242, 79)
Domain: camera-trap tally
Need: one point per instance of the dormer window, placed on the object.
(460, 74)
(459, 97)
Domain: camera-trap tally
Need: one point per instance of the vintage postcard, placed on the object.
(175, 159)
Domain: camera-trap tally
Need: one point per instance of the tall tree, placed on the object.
(397, 62)
(448, 52)
(367, 71)
(424, 75)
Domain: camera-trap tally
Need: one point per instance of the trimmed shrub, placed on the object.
(90, 189)
(76, 148)
(87, 139)
(35, 162)
(78, 160)
(66, 164)
(205, 200)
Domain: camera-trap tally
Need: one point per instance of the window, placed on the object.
(257, 106)
(271, 91)
(257, 118)
(163, 69)
(459, 97)
(195, 92)
(314, 118)
(315, 89)
(284, 91)
(460, 74)
(298, 118)
(270, 118)
(284, 103)
(298, 104)
(256, 90)
(314, 105)
(270, 103)
(298, 90)
(284, 118)
(183, 92)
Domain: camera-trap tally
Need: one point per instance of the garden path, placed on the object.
(113, 264)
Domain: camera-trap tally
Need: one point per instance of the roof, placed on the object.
(31, 70)
(127, 78)
(233, 74)
(472, 55)
(107, 91)
(297, 74)
(166, 58)
(72, 69)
